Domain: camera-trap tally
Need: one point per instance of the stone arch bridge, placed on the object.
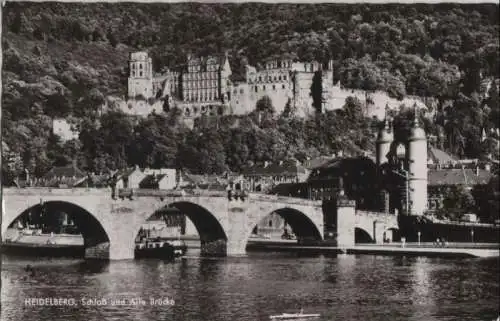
(109, 226)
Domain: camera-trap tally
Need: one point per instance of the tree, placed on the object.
(265, 105)
(113, 41)
(16, 24)
(317, 92)
(287, 111)
(457, 201)
(488, 200)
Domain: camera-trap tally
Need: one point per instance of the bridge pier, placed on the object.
(346, 222)
(378, 232)
(98, 251)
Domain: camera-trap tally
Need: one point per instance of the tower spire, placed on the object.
(386, 118)
(415, 115)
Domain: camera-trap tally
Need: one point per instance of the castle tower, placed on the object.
(327, 87)
(417, 167)
(225, 83)
(140, 80)
(384, 140)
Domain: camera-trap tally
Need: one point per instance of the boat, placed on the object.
(154, 248)
(180, 248)
(28, 242)
(295, 316)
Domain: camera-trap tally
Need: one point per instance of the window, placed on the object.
(270, 223)
(241, 91)
(256, 88)
(140, 66)
(140, 74)
(279, 78)
(284, 77)
(274, 87)
(264, 87)
(283, 86)
(260, 78)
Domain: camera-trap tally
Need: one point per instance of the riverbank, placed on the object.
(394, 249)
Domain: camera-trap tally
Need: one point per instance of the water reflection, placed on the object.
(251, 288)
(93, 266)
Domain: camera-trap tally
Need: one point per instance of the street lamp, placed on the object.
(407, 181)
(472, 235)
(418, 235)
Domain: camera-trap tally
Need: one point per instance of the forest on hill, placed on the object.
(62, 60)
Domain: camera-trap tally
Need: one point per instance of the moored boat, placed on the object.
(27, 242)
(150, 248)
(295, 316)
(180, 248)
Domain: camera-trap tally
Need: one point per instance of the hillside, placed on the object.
(62, 60)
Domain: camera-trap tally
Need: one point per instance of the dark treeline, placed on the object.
(214, 145)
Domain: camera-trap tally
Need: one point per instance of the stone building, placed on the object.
(140, 81)
(203, 85)
(284, 82)
(264, 177)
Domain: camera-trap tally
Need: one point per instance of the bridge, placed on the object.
(110, 225)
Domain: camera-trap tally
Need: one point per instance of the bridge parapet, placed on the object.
(376, 215)
(41, 191)
(127, 192)
(141, 192)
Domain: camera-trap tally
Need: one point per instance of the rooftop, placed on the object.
(458, 176)
(151, 181)
(65, 171)
(288, 167)
(438, 156)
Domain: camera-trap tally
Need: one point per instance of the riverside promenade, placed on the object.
(428, 249)
(479, 250)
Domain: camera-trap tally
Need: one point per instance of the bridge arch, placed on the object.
(302, 225)
(362, 236)
(392, 234)
(92, 230)
(209, 228)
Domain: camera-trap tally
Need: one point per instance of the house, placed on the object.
(264, 177)
(212, 182)
(62, 128)
(165, 179)
(440, 180)
(134, 177)
(63, 177)
(130, 178)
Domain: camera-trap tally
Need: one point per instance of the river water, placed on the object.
(251, 288)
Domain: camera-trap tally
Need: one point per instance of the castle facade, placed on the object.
(203, 86)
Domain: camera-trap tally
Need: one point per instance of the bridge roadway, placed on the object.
(110, 225)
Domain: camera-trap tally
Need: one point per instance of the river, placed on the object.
(346, 287)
